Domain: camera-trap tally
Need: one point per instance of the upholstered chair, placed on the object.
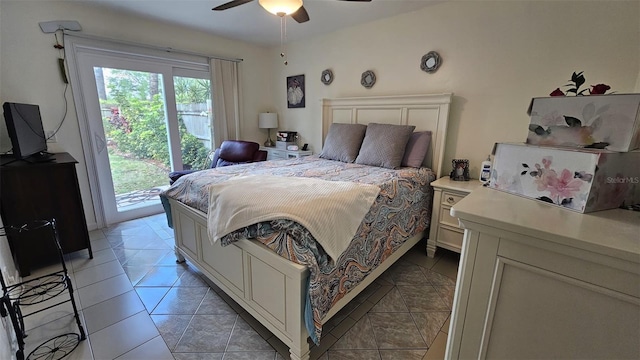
(230, 152)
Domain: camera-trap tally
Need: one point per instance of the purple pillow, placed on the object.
(416, 149)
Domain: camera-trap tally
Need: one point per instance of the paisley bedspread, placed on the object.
(401, 210)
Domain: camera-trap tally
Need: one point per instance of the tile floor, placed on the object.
(137, 303)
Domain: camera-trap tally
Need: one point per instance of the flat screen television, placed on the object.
(24, 126)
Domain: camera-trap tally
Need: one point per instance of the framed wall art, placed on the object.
(295, 91)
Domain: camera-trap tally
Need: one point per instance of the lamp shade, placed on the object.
(277, 7)
(268, 120)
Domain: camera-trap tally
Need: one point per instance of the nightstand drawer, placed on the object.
(277, 154)
(447, 219)
(445, 230)
(451, 238)
(451, 198)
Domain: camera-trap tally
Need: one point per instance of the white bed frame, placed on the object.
(272, 288)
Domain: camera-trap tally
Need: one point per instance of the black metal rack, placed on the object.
(17, 298)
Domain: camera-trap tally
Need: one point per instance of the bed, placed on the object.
(274, 269)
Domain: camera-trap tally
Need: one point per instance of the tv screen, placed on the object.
(24, 126)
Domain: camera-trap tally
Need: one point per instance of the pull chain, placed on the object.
(283, 37)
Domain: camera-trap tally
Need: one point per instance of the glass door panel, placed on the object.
(132, 105)
(193, 108)
(134, 121)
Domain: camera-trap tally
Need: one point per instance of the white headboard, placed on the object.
(426, 112)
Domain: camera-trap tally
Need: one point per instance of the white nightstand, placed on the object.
(445, 231)
(281, 154)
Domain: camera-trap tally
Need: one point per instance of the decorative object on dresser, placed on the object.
(539, 282)
(460, 171)
(44, 190)
(445, 231)
(326, 77)
(295, 91)
(576, 81)
(583, 180)
(268, 121)
(430, 62)
(368, 79)
(285, 139)
(609, 122)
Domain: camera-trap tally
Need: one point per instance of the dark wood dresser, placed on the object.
(43, 190)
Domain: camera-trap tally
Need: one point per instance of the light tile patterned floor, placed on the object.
(137, 303)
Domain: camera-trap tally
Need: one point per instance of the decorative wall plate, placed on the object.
(326, 77)
(430, 62)
(368, 79)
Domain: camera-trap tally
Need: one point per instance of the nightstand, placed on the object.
(282, 154)
(445, 231)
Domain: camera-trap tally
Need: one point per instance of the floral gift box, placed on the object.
(609, 122)
(583, 180)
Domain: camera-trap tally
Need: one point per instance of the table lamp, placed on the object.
(268, 121)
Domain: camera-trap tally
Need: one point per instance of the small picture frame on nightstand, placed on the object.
(460, 170)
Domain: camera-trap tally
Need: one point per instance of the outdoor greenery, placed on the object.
(131, 175)
(136, 128)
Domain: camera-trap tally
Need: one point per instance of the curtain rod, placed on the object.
(152, 47)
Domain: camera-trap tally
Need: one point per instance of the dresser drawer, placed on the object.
(451, 199)
(450, 239)
(447, 219)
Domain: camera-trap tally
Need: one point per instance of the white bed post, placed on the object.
(296, 354)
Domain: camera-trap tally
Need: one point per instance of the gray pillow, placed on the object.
(417, 148)
(384, 145)
(343, 142)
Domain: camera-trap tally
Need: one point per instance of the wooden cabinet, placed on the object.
(281, 154)
(31, 191)
(540, 282)
(445, 231)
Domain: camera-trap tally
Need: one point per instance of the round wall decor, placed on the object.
(368, 79)
(326, 77)
(430, 62)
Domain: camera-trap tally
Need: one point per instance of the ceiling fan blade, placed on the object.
(300, 15)
(230, 4)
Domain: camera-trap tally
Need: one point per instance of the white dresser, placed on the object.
(444, 230)
(540, 282)
(282, 154)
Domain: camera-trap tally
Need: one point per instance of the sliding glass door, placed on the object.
(145, 119)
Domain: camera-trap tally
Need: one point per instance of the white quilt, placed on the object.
(331, 210)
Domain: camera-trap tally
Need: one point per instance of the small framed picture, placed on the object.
(295, 91)
(460, 171)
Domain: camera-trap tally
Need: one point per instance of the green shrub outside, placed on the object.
(137, 126)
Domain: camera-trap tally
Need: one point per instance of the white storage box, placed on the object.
(604, 121)
(583, 180)
(282, 145)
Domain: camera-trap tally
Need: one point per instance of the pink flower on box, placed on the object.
(562, 189)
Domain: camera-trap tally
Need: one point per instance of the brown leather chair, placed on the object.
(230, 152)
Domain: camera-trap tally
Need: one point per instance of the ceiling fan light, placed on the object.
(277, 7)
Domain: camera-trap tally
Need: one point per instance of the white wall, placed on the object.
(496, 57)
(29, 72)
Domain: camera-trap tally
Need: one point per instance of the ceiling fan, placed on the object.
(278, 7)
